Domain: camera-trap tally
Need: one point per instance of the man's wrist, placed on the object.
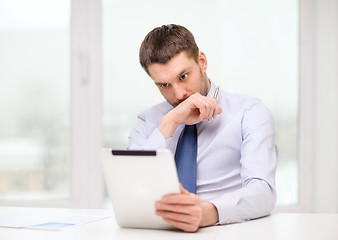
(168, 125)
(209, 215)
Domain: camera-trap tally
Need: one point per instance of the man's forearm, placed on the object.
(251, 201)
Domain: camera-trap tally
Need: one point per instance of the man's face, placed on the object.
(180, 77)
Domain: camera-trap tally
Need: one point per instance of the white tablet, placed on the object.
(135, 181)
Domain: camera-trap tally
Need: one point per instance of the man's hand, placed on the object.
(193, 110)
(186, 211)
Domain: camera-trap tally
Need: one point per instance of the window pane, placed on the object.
(34, 99)
(251, 46)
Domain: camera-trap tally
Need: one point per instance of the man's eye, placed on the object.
(164, 85)
(184, 76)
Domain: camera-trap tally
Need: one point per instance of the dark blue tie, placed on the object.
(185, 157)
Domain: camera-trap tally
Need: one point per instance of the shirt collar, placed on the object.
(212, 89)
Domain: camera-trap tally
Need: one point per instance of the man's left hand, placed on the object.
(184, 211)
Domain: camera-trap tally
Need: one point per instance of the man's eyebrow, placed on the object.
(159, 83)
(183, 71)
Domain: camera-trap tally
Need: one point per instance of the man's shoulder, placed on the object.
(240, 100)
(250, 107)
(157, 110)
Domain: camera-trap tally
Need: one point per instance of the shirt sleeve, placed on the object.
(254, 200)
(146, 136)
(257, 196)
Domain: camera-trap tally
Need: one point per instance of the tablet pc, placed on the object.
(135, 181)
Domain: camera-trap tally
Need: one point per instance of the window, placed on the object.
(35, 154)
(50, 103)
(50, 73)
(251, 46)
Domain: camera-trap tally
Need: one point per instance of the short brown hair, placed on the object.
(162, 43)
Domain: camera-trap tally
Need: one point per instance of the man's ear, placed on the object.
(202, 60)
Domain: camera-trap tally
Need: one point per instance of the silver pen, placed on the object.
(216, 92)
(215, 95)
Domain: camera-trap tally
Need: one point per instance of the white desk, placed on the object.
(286, 226)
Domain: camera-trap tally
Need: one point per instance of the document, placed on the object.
(49, 220)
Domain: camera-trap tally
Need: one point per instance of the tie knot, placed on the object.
(190, 127)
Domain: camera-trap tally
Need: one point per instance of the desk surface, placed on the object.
(277, 226)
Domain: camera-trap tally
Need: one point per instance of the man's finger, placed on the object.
(188, 227)
(185, 199)
(193, 210)
(183, 190)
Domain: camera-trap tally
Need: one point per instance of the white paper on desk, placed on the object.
(47, 220)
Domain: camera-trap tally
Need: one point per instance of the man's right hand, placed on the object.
(194, 109)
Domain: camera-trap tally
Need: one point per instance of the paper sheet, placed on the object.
(46, 220)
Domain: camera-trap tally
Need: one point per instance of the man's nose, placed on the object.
(180, 92)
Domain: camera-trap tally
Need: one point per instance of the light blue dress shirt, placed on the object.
(237, 157)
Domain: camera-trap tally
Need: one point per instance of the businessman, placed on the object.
(230, 138)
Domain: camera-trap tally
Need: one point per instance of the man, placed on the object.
(236, 155)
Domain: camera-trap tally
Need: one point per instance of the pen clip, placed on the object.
(215, 95)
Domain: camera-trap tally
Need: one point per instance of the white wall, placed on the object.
(326, 106)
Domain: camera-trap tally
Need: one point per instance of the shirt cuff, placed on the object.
(157, 141)
(226, 208)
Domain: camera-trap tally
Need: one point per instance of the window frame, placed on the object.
(306, 124)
